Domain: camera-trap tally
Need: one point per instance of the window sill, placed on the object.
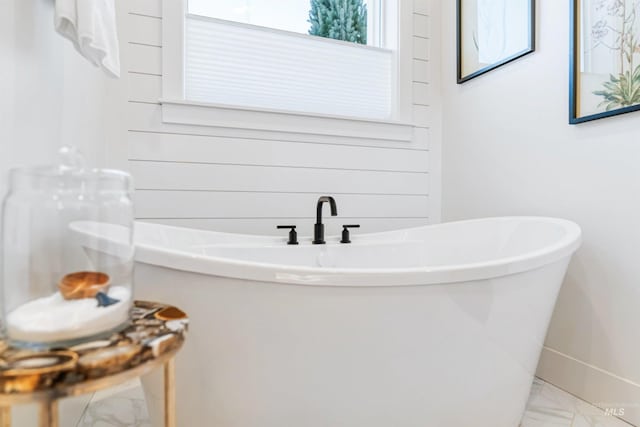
(226, 116)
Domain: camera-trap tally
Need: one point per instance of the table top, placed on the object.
(154, 335)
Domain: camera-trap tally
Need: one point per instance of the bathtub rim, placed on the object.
(364, 277)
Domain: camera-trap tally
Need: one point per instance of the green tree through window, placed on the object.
(339, 19)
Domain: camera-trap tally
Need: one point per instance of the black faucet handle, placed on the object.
(293, 234)
(345, 232)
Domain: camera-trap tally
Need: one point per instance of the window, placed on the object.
(258, 55)
(294, 16)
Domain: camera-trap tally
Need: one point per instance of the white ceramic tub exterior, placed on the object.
(438, 326)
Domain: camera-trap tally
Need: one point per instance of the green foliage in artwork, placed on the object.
(621, 91)
(618, 33)
(339, 20)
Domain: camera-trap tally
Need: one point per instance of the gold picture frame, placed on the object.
(605, 59)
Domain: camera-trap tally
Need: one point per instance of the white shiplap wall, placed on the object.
(242, 180)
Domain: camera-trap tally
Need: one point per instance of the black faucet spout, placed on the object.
(332, 204)
(318, 229)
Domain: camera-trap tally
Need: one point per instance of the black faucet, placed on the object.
(318, 229)
(293, 234)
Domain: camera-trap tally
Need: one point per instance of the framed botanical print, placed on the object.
(605, 59)
(492, 33)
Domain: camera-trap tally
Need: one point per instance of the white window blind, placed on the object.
(242, 65)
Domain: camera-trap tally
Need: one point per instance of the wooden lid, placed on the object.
(83, 284)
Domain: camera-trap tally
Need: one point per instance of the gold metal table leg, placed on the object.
(49, 414)
(170, 393)
(5, 416)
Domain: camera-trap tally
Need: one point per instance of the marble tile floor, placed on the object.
(123, 406)
(551, 407)
(548, 407)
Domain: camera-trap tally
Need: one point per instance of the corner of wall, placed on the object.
(435, 147)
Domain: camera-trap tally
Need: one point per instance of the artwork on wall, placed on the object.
(605, 59)
(492, 33)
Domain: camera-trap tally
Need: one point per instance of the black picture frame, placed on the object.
(574, 75)
(459, 30)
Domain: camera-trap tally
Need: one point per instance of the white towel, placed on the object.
(91, 27)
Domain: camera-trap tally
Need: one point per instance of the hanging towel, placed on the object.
(91, 27)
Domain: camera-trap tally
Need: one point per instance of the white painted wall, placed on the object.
(508, 150)
(49, 96)
(243, 180)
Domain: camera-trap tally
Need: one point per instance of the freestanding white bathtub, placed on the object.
(437, 326)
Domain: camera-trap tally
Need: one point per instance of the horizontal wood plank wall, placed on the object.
(242, 180)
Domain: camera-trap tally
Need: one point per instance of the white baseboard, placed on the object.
(610, 392)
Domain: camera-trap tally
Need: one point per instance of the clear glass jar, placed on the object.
(67, 238)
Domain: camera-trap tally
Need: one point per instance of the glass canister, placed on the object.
(67, 261)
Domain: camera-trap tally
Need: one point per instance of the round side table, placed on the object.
(154, 336)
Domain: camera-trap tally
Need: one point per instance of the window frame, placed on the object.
(397, 32)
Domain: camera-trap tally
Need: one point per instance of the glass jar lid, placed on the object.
(69, 175)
